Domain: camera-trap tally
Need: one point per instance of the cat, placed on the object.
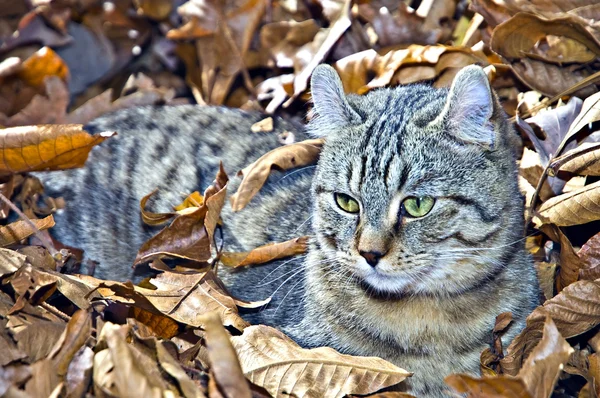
(413, 212)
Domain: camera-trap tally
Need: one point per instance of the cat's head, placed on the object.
(416, 188)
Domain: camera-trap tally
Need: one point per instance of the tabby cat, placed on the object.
(413, 212)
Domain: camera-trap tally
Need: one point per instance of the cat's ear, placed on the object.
(470, 106)
(330, 103)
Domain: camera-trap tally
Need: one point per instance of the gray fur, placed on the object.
(429, 305)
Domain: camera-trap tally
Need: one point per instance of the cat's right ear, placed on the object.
(330, 103)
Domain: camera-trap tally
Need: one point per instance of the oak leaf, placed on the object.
(272, 360)
(283, 158)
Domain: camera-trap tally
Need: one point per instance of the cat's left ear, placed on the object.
(470, 106)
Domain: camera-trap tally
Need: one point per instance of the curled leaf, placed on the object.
(266, 253)
(283, 158)
(19, 230)
(573, 208)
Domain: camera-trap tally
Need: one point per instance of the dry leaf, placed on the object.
(49, 147)
(583, 160)
(575, 310)
(590, 257)
(225, 366)
(488, 387)
(266, 253)
(543, 365)
(190, 235)
(174, 369)
(572, 208)
(151, 218)
(283, 158)
(41, 64)
(519, 35)
(273, 361)
(19, 230)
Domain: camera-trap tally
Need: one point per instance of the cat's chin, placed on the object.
(377, 284)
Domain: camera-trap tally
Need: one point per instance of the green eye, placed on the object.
(418, 207)
(346, 203)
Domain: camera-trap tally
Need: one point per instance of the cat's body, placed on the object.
(420, 291)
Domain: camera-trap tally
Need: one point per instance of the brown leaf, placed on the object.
(266, 253)
(75, 335)
(570, 263)
(19, 230)
(49, 147)
(573, 208)
(224, 32)
(223, 360)
(519, 35)
(575, 310)
(174, 369)
(273, 361)
(550, 79)
(583, 160)
(186, 298)
(79, 373)
(489, 387)
(42, 109)
(10, 261)
(126, 374)
(590, 112)
(282, 158)
(190, 235)
(160, 325)
(322, 45)
(543, 365)
(151, 218)
(590, 256)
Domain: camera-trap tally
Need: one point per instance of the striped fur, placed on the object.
(430, 303)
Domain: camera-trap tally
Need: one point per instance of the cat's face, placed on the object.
(416, 192)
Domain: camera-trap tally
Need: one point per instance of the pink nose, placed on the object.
(372, 257)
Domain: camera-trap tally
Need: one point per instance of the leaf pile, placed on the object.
(64, 63)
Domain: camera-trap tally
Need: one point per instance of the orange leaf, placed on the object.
(41, 64)
(266, 253)
(19, 230)
(46, 147)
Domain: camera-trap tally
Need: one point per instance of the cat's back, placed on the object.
(175, 150)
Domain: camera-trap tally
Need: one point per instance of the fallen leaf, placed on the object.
(283, 158)
(41, 64)
(266, 253)
(590, 112)
(49, 147)
(518, 36)
(263, 126)
(575, 310)
(543, 365)
(190, 235)
(186, 298)
(151, 218)
(590, 257)
(225, 366)
(10, 261)
(75, 335)
(174, 369)
(79, 374)
(572, 208)
(19, 230)
(583, 160)
(570, 263)
(488, 387)
(272, 360)
(323, 43)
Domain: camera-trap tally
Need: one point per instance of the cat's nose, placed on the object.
(372, 257)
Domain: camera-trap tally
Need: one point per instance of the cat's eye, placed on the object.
(346, 203)
(418, 206)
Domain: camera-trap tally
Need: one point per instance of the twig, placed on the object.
(45, 241)
(53, 310)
